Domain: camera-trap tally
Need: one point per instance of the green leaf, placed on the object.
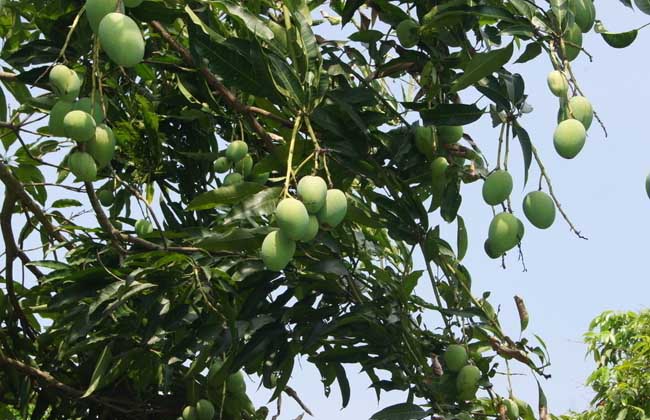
(370, 36)
(404, 411)
(66, 202)
(451, 114)
(481, 65)
(349, 9)
(461, 238)
(621, 39)
(344, 384)
(532, 50)
(230, 194)
(261, 204)
(560, 9)
(526, 147)
(103, 363)
(643, 5)
(248, 20)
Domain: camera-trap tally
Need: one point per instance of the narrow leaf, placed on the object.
(103, 363)
(481, 65)
(462, 238)
(230, 194)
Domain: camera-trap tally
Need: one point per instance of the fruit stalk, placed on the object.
(294, 135)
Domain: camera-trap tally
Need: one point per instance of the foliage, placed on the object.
(620, 346)
(124, 319)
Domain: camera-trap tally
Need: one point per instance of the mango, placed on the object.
(572, 42)
(204, 410)
(236, 383)
(143, 227)
(105, 197)
(236, 150)
(121, 39)
(569, 138)
(245, 165)
(57, 114)
(557, 83)
(79, 126)
(312, 191)
(189, 413)
(82, 165)
(489, 250)
(232, 179)
(539, 209)
(91, 107)
(292, 218)
(449, 134)
(222, 165)
(97, 9)
(512, 409)
(102, 146)
(425, 140)
(497, 187)
(407, 33)
(277, 250)
(333, 211)
(65, 82)
(438, 171)
(504, 232)
(584, 12)
(455, 357)
(467, 382)
(312, 229)
(580, 109)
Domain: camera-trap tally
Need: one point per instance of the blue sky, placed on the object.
(569, 280)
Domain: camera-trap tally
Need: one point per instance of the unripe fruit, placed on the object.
(221, 165)
(93, 108)
(647, 185)
(66, 82)
(105, 197)
(455, 357)
(557, 83)
(204, 410)
(189, 413)
(584, 12)
(580, 109)
(232, 179)
(277, 250)
(132, 3)
(97, 9)
(57, 114)
(102, 146)
(312, 191)
(312, 229)
(438, 171)
(572, 42)
(245, 165)
(121, 39)
(292, 218)
(448, 134)
(512, 409)
(539, 209)
(407, 33)
(569, 138)
(503, 233)
(79, 126)
(497, 187)
(467, 382)
(425, 140)
(489, 250)
(333, 211)
(236, 150)
(236, 384)
(261, 178)
(82, 166)
(143, 227)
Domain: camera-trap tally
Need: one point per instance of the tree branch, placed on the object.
(229, 97)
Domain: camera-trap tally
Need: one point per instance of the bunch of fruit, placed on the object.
(467, 376)
(238, 158)
(300, 220)
(202, 410)
(82, 121)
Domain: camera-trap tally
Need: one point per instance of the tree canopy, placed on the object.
(216, 188)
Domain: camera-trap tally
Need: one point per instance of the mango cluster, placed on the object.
(82, 121)
(202, 410)
(300, 220)
(119, 35)
(240, 162)
(467, 376)
(428, 137)
(584, 13)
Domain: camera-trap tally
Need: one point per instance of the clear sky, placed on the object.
(569, 281)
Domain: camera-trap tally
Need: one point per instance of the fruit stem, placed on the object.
(434, 285)
(314, 139)
(552, 194)
(500, 144)
(294, 135)
(579, 90)
(507, 155)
